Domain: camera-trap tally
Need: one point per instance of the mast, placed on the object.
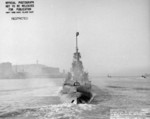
(77, 33)
(77, 53)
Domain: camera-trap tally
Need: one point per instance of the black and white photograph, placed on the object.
(74, 59)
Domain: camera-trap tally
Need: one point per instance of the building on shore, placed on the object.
(38, 71)
(7, 70)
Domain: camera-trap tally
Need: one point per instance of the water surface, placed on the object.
(38, 98)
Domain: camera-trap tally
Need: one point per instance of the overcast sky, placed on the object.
(114, 35)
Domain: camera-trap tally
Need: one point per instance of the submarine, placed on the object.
(77, 87)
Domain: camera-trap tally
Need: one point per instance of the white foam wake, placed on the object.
(65, 110)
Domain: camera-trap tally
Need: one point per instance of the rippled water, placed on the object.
(38, 98)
